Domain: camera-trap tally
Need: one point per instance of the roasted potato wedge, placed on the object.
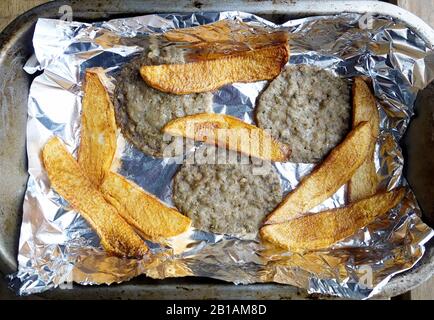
(327, 177)
(142, 210)
(202, 76)
(214, 40)
(98, 129)
(219, 31)
(231, 133)
(364, 182)
(320, 230)
(69, 180)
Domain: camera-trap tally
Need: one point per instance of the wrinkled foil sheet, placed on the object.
(57, 245)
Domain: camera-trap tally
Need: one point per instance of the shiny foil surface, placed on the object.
(57, 245)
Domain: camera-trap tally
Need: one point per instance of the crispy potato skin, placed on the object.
(364, 182)
(252, 141)
(98, 129)
(320, 230)
(69, 180)
(142, 210)
(327, 177)
(202, 76)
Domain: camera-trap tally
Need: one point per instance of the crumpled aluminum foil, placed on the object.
(56, 243)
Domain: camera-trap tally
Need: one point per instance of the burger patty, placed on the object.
(307, 108)
(226, 198)
(141, 111)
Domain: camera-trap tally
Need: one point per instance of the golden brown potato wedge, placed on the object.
(227, 31)
(327, 177)
(231, 133)
(320, 230)
(69, 180)
(98, 129)
(142, 210)
(218, 31)
(249, 66)
(364, 182)
(214, 40)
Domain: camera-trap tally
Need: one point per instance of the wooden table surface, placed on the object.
(9, 9)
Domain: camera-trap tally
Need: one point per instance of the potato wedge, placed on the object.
(214, 40)
(227, 32)
(142, 210)
(364, 182)
(218, 31)
(203, 76)
(98, 129)
(320, 230)
(238, 135)
(327, 177)
(69, 180)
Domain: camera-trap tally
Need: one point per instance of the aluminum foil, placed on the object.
(57, 245)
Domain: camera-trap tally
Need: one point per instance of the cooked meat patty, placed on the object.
(226, 198)
(308, 108)
(141, 111)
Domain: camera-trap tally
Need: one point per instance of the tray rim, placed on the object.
(26, 21)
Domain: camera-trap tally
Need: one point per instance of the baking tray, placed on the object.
(16, 47)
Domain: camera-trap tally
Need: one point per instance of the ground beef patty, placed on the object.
(142, 111)
(307, 108)
(226, 198)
